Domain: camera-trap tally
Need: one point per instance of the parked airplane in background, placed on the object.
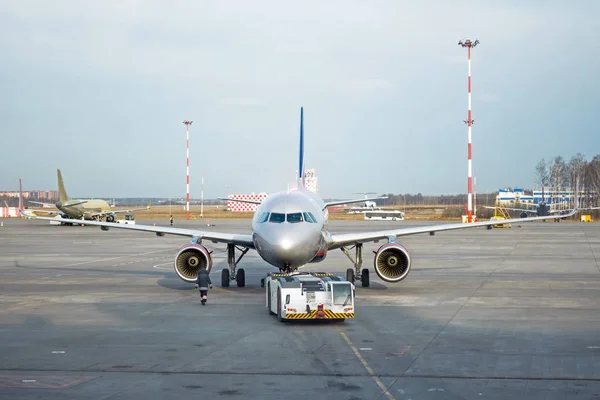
(92, 209)
(289, 231)
(368, 204)
(541, 210)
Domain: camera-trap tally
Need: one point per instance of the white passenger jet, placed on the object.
(289, 231)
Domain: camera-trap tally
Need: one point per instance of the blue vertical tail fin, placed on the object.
(301, 157)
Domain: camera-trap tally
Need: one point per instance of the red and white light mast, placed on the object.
(187, 168)
(468, 44)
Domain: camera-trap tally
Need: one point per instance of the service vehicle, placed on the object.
(128, 220)
(384, 215)
(309, 295)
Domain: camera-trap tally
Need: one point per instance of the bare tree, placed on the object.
(575, 170)
(541, 172)
(558, 173)
(591, 179)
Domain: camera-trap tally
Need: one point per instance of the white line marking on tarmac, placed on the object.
(160, 265)
(367, 367)
(115, 258)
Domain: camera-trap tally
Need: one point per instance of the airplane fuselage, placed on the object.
(289, 229)
(84, 210)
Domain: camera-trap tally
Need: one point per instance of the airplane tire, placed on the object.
(241, 277)
(225, 278)
(364, 277)
(269, 299)
(279, 316)
(350, 275)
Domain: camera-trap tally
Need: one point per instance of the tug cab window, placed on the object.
(277, 217)
(342, 294)
(294, 218)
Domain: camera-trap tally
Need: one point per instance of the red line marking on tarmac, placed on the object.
(404, 350)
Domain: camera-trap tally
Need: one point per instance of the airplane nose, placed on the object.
(287, 245)
(294, 246)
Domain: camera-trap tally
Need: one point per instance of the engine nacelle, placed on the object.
(320, 256)
(392, 262)
(190, 259)
(523, 214)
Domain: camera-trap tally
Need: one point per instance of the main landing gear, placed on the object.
(357, 274)
(228, 275)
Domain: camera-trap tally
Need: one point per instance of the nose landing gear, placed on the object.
(228, 275)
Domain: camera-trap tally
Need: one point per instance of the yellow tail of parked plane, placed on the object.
(63, 197)
(89, 209)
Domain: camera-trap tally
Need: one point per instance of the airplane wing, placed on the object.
(338, 203)
(42, 203)
(75, 203)
(336, 241)
(31, 212)
(113, 212)
(514, 209)
(558, 211)
(215, 237)
(240, 201)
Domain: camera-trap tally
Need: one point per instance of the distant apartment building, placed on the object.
(45, 195)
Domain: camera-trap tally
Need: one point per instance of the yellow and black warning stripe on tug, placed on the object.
(313, 314)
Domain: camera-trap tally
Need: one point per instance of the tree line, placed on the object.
(558, 174)
(554, 174)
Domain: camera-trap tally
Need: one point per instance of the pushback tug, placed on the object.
(309, 295)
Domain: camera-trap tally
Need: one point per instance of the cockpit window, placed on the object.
(294, 217)
(277, 217)
(262, 217)
(308, 217)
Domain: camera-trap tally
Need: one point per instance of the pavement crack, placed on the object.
(506, 256)
(587, 238)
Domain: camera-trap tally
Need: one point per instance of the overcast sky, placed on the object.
(99, 89)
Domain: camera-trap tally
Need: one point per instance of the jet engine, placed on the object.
(190, 259)
(523, 214)
(392, 262)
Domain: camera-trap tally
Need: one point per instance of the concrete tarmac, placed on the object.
(505, 313)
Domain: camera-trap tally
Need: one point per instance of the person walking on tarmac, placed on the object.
(203, 283)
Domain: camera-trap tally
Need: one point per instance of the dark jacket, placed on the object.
(203, 280)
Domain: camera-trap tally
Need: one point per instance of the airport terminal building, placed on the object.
(550, 195)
